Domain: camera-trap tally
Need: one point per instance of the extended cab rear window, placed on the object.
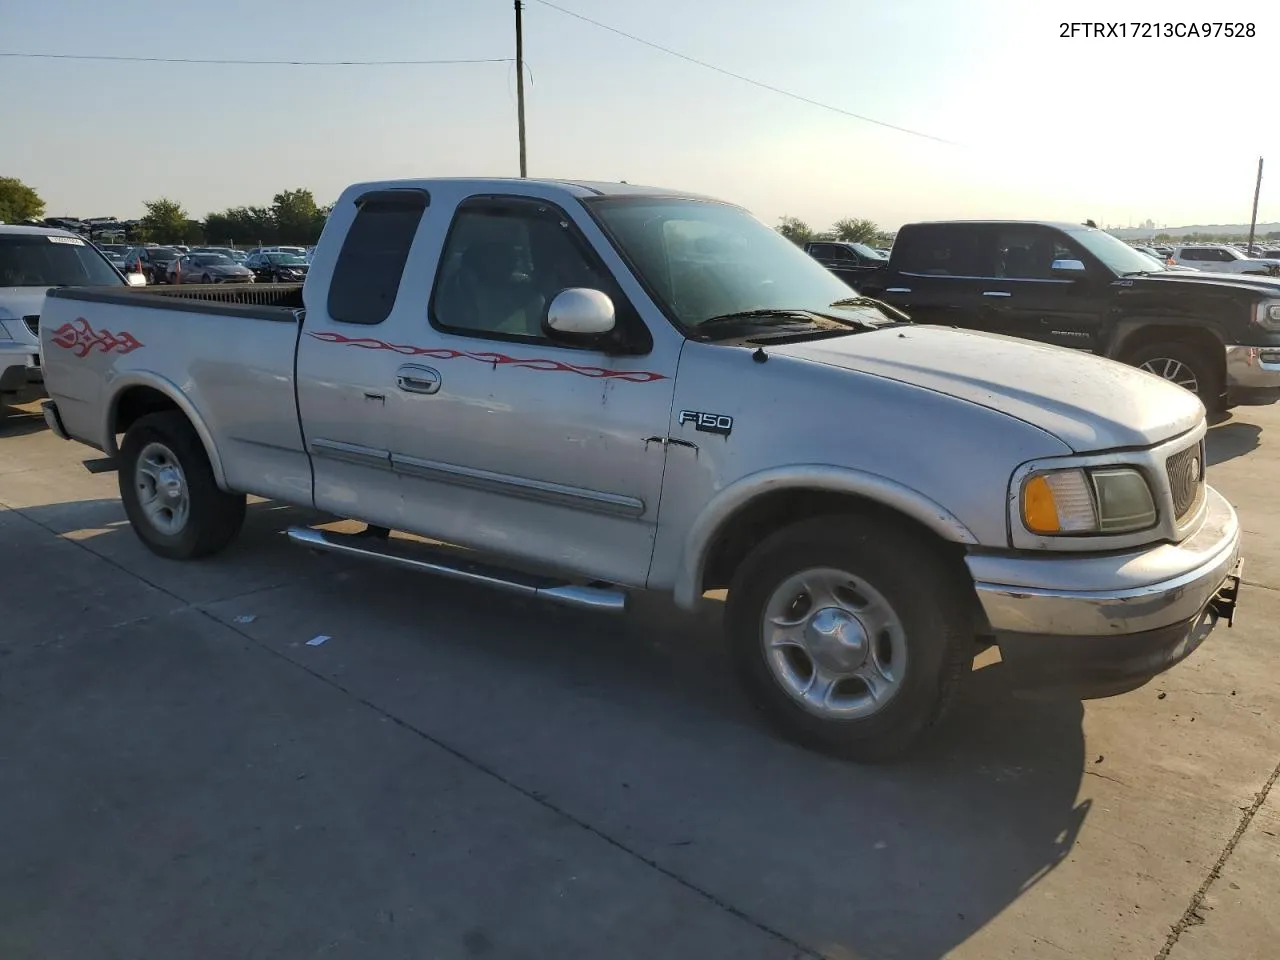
(945, 250)
(367, 275)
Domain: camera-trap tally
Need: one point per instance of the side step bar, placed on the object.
(443, 562)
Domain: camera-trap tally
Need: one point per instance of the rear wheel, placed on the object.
(850, 633)
(169, 491)
(1186, 365)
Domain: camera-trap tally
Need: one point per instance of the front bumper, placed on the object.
(1253, 374)
(1099, 624)
(20, 370)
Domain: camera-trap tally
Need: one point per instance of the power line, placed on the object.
(738, 76)
(281, 63)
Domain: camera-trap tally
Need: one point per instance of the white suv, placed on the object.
(1220, 258)
(33, 259)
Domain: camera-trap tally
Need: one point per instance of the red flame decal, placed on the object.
(495, 359)
(81, 339)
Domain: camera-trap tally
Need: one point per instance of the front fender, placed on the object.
(140, 378)
(721, 509)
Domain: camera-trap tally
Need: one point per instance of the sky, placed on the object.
(1035, 126)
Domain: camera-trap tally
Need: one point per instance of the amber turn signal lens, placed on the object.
(1039, 511)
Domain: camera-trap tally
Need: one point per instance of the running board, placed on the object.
(443, 562)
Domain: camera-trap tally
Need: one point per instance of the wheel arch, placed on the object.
(134, 395)
(744, 513)
(1132, 335)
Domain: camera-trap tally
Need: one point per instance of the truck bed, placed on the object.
(268, 301)
(222, 353)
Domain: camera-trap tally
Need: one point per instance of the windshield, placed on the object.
(287, 259)
(162, 253)
(705, 259)
(1116, 254)
(41, 260)
(211, 260)
(864, 251)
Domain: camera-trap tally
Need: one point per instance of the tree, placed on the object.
(18, 201)
(165, 221)
(795, 230)
(241, 225)
(298, 220)
(851, 230)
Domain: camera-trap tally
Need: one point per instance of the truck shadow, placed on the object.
(17, 422)
(634, 728)
(1229, 439)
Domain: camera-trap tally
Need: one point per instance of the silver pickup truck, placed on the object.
(589, 389)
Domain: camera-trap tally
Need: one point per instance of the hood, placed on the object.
(19, 302)
(1087, 402)
(1267, 286)
(225, 269)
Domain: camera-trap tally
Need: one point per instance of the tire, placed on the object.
(206, 279)
(1186, 365)
(162, 450)
(928, 648)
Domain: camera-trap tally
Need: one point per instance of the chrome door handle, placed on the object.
(897, 290)
(415, 379)
(996, 293)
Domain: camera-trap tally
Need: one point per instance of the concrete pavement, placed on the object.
(460, 774)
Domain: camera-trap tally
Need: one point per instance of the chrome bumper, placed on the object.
(1253, 367)
(1113, 594)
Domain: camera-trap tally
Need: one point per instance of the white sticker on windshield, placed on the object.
(71, 240)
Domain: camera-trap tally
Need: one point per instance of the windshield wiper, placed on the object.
(886, 308)
(773, 316)
(856, 302)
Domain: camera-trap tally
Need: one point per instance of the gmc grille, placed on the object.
(1186, 479)
(33, 324)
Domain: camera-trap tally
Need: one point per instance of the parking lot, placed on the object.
(189, 770)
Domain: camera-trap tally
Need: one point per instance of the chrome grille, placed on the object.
(33, 324)
(1185, 470)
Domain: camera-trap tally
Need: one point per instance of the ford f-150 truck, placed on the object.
(583, 390)
(1217, 335)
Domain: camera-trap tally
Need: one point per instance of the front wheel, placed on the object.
(850, 633)
(1186, 365)
(169, 491)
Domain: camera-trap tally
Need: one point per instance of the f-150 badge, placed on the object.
(707, 422)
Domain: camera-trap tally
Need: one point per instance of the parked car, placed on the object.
(1074, 286)
(1221, 258)
(33, 259)
(624, 412)
(277, 267)
(207, 268)
(152, 262)
(848, 261)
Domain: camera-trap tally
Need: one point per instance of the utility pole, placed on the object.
(520, 85)
(1253, 223)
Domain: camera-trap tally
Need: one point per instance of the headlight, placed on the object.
(1268, 314)
(1076, 502)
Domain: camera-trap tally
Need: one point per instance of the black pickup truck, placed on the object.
(849, 261)
(1076, 286)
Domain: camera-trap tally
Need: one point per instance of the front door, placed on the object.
(507, 441)
(1024, 298)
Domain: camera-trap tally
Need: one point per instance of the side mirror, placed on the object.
(580, 313)
(1067, 268)
(135, 279)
